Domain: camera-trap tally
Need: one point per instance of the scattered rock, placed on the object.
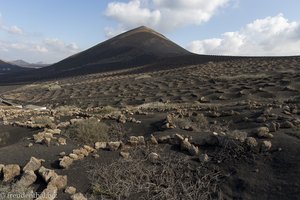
(153, 157)
(273, 126)
(125, 155)
(153, 140)
(33, 164)
(237, 135)
(263, 132)
(89, 148)
(136, 140)
(58, 181)
(62, 141)
(66, 162)
(251, 142)
(100, 145)
(95, 155)
(203, 158)
(62, 153)
(10, 172)
(266, 146)
(114, 146)
(164, 139)
(27, 179)
(70, 190)
(122, 119)
(78, 196)
(49, 193)
(30, 144)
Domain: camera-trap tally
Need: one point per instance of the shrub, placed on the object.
(174, 177)
(89, 131)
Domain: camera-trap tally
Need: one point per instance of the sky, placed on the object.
(50, 30)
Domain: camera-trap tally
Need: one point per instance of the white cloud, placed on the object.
(268, 36)
(61, 46)
(163, 15)
(15, 30)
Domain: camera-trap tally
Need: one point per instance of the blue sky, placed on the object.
(48, 31)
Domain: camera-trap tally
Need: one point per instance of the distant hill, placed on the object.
(137, 47)
(140, 47)
(7, 68)
(25, 64)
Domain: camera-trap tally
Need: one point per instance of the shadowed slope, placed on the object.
(6, 68)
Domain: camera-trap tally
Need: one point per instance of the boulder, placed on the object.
(78, 196)
(10, 172)
(33, 164)
(27, 179)
(74, 156)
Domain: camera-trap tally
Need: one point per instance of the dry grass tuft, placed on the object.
(89, 131)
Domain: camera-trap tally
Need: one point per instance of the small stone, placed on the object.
(263, 132)
(113, 146)
(62, 141)
(33, 165)
(153, 140)
(70, 190)
(251, 142)
(78, 196)
(164, 139)
(100, 145)
(203, 158)
(30, 144)
(10, 172)
(62, 153)
(125, 155)
(66, 162)
(95, 155)
(179, 137)
(153, 157)
(266, 146)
